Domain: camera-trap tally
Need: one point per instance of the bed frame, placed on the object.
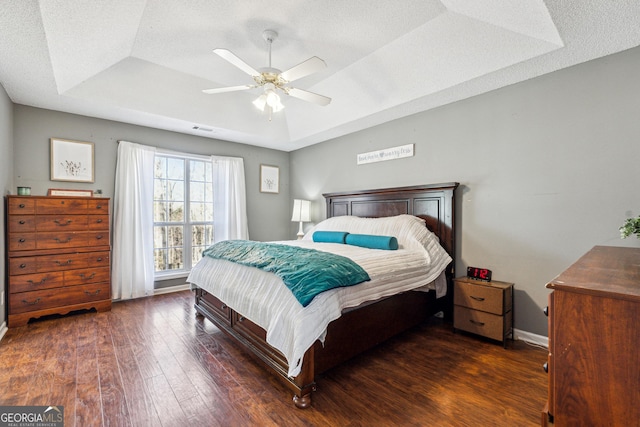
(359, 328)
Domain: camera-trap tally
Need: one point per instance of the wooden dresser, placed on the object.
(594, 341)
(58, 255)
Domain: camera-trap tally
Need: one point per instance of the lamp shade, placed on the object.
(301, 211)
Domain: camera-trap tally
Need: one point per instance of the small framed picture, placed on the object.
(269, 179)
(71, 160)
(69, 193)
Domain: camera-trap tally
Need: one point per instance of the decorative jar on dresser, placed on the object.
(58, 252)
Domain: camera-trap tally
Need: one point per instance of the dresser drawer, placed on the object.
(45, 263)
(34, 282)
(23, 265)
(21, 206)
(480, 322)
(86, 275)
(22, 241)
(21, 223)
(76, 239)
(98, 207)
(98, 222)
(479, 297)
(98, 259)
(60, 262)
(61, 223)
(57, 297)
(57, 205)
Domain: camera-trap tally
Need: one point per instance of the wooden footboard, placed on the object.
(253, 337)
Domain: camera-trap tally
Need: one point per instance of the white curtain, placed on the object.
(229, 199)
(132, 264)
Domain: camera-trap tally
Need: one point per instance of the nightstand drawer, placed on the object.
(481, 323)
(479, 297)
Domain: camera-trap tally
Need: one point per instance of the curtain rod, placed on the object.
(181, 154)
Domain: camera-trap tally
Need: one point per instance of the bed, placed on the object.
(354, 329)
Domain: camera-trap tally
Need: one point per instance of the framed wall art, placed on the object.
(71, 160)
(269, 179)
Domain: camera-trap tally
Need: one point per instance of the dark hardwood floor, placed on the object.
(151, 362)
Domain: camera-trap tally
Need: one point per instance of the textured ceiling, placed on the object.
(146, 61)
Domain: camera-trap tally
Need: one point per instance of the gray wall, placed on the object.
(268, 214)
(548, 168)
(6, 181)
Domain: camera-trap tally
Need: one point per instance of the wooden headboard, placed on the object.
(433, 202)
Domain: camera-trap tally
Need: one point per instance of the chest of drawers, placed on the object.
(594, 333)
(483, 308)
(58, 256)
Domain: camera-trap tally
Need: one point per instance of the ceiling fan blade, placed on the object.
(228, 89)
(233, 59)
(305, 95)
(303, 69)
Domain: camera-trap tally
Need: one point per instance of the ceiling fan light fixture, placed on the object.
(273, 99)
(260, 102)
(269, 99)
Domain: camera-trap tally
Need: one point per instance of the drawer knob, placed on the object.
(62, 224)
(99, 221)
(21, 206)
(99, 207)
(68, 262)
(21, 240)
(85, 277)
(224, 306)
(22, 222)
(546, 367)
(241, 319)
(25, 302)
(23, 265)
(99, 259)
(475, 322)
(92, 293)
(44, 279)
(99, 236)
(476, 298)
(62, 241)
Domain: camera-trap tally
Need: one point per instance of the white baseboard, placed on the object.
(168, 290)
(531, 338)
(3, 330)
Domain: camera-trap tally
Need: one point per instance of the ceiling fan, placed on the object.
(272, 79)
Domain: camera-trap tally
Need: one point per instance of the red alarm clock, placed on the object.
(479, 273)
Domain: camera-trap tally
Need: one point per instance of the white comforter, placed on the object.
(263, 298)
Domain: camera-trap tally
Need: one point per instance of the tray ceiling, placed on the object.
(146, 62)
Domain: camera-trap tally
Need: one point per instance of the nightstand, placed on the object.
(483, 308)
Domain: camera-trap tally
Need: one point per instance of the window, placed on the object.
(183, 213)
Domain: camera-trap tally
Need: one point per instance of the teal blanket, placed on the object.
(306, 272)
